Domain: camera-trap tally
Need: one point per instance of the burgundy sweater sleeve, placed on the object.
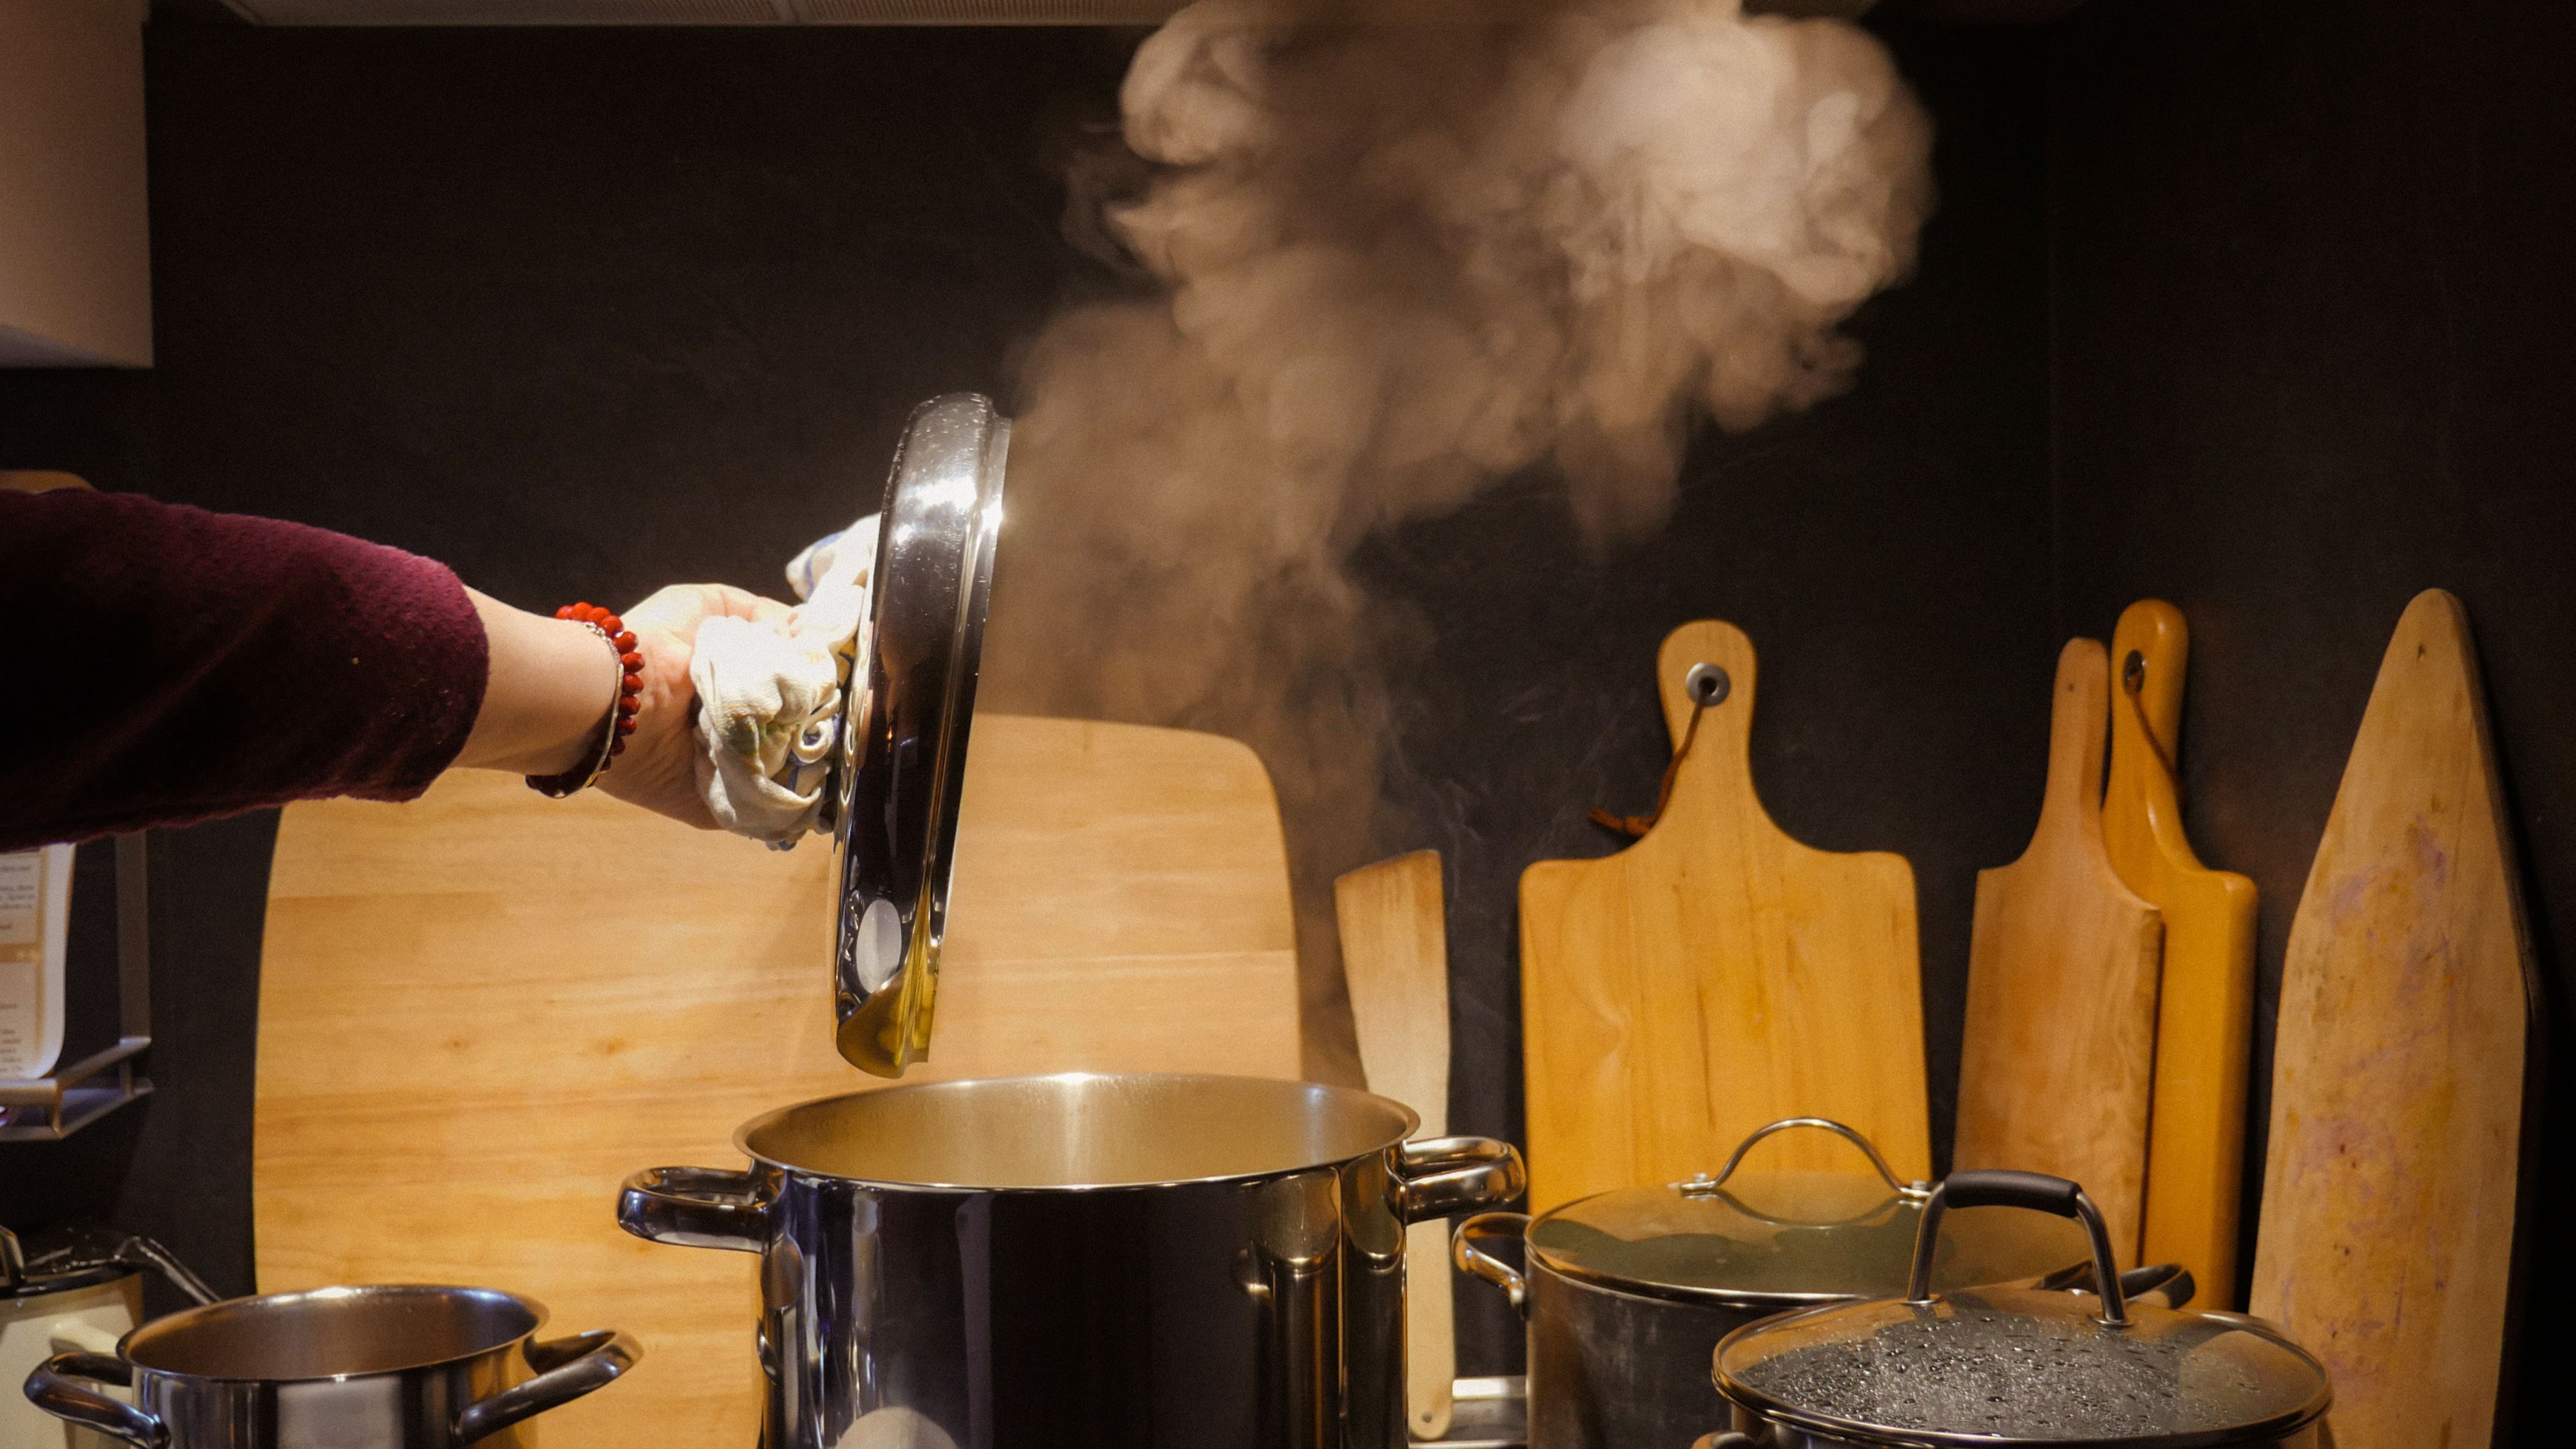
(161, 664)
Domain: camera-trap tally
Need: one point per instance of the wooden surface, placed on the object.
(2205, 1000)
(2407, 996)
(75, 234)
(2056, 1066)
(21, 480)
(1715, 976)
(479, 1012)
(1395, 957)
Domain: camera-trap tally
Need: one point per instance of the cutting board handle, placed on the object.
(1707, 668)
(2079, 720)
(2150, 646)
(1707, 663)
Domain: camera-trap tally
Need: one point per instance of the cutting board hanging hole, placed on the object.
(1707, 685)
(2133, 683)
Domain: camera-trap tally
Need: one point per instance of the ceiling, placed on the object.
(913, 12)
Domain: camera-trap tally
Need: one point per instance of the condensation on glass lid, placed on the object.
(1969, 1366)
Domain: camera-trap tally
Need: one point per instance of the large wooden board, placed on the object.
(1395, 956)
(2205, 1003)
(2056, 1065)
(1716, 976)
(2407, 1000)
(479, 1012)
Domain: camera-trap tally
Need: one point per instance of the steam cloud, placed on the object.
(1394, 265)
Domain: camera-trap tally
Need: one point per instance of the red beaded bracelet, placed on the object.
(621, 720)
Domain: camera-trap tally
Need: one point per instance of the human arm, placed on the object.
(161, 664)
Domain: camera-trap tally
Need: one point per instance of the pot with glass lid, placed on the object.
(2015, 1363)
(1626, 1293)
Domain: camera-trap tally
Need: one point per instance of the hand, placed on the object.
(552, 684)
(659, 769)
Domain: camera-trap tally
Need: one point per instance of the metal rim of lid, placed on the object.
(900, 772)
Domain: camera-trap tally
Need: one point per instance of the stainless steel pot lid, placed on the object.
(1781, 1239)
(1998, 1365)
(901, 765)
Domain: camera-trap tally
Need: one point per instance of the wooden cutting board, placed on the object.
(2408, 999)
(2205, 1003)
(1395, 957)
(480, 1011)
(2056, 1066)
(1716, 976)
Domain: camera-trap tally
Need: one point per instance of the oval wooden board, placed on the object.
(2408, 998)
(480, 1011)
(1716, 976)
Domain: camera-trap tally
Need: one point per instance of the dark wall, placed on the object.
(580, 313)
(585, 312)
(2312, 301)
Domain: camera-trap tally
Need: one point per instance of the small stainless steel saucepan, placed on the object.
(393, 1367)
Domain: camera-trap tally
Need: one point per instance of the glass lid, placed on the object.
(901, 765)
(2021, 1363)
(1785, 1238)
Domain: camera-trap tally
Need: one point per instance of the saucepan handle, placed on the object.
(1438, 1177)
(2037, 1191)
(1470, 1258)
(2167, 1285)
(695, 1207)
(51, 1389)
(567, 1369)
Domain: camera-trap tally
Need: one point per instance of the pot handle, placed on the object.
(51, 1389)
(1475, 1260)
(567, 1368)
(2167, 1285)
(695, 1207)
(2002, 1187)
(1438, 1177)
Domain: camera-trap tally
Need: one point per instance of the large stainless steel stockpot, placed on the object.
(1127, 1262)
(392, 1367)
(1628, 1292)
(2015, 1364)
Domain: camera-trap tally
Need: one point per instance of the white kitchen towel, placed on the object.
(770, 696)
